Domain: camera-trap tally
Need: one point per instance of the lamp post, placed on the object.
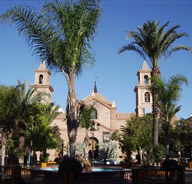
(93, 129)
(31, 142)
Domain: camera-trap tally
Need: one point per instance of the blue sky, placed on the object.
(115, 73)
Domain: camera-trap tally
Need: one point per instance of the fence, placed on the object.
(18, 175)
(158, 176)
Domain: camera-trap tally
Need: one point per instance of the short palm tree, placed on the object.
(50, 112)
(153, 43)
(25, 103)
(7, 115)
(168, 95)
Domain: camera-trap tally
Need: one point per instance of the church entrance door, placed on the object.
(93, 148)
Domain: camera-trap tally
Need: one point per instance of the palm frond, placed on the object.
(52, 112)
(154, 41)
(177, 48)
(61, 34)
(133, 48)
(172, 111)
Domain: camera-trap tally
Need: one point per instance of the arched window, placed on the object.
(147, 97)
(145, 79)
(41, 79)
(94, 114)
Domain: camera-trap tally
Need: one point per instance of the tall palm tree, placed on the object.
(153, 43)
(61, 35)
(168, 95)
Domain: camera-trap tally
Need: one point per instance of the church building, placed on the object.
(106, 119)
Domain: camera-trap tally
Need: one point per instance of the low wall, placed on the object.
(18, 175)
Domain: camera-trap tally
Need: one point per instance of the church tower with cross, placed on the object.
(143, 96)
(42, 82)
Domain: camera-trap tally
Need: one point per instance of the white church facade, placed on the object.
(105, 113)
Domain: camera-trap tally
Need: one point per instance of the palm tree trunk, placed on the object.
(156, 117)
(72, 116)
(2, 154)
(141, 156)
(2, 148)
(22, 128)
(155, 108)
(166, 129)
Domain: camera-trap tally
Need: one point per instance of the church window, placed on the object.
(147, 97)
(94, 114)
(145, 79)
(41, 79)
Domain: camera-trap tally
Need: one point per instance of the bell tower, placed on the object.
(42, 76)
(143, 96)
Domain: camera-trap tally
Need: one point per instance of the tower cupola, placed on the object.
(143, 96)
(42, 82)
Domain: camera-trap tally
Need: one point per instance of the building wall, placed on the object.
(103, 112)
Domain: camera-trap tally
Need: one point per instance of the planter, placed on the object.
(159, 173)
(43, 164)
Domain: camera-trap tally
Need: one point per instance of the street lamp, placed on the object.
(93, 129)
(31, 142)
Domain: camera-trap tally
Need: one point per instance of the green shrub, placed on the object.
(158, 153)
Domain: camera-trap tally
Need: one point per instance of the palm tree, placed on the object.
(168, 95)
(25, 104)
(15, 107)
(61, 35)
(167, 116)
(7, 115)
(49, 112)
(153, 43)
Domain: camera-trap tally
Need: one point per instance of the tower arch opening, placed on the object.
(146, 79)
(147, 97)
(41, 79)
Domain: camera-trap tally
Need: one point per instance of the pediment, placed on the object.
(99, 99)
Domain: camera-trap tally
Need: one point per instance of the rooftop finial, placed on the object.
(145, 66)
(95, 88)
(42, 65)
(113, 104)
